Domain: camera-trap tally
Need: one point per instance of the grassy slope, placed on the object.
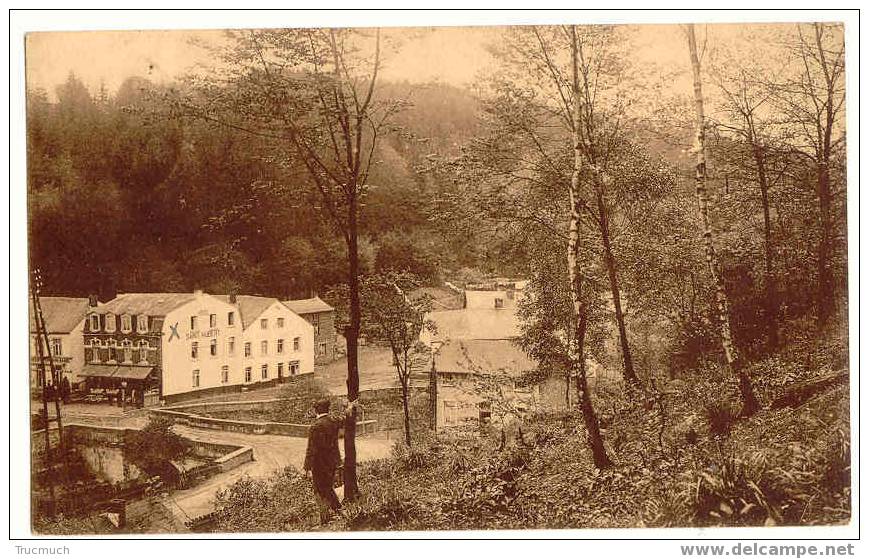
(783, 467)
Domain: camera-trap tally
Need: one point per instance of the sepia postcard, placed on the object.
(584, 274)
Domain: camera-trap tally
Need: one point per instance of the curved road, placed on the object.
(270, 453)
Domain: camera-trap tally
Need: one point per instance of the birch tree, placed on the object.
(575, 272)
(749, 402)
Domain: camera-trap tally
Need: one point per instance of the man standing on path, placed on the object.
(323, 457)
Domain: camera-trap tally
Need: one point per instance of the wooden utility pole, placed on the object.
(43, 351)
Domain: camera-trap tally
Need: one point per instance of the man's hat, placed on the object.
(322, 405)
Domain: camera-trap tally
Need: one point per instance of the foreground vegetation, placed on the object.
(682, 458)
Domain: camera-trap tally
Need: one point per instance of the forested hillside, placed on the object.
(124, 198)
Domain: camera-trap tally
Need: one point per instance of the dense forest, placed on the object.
(124, 198)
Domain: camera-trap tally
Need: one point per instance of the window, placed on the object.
(195, 378)
(485, 412)
(264, 348)
(128, 351)
(294, 367)
(265, 371)
(230, 318)
(142, 325)
(214, 348)
(297, 344)
(321, 348)
(56, 347)
(193, 322)
(230, 346)
(110, 322)
(315, 321)
(224, 374)
(450, 413)
(126, 323)
(143, 351)
(112, 345)
(280, 348)
(499, 303)
(280, 370)
(264, 323)
(247, 349)
(280, 323)
(95, 350)
(247, 375)
(95, 323)
(194, 350)
(212, 321)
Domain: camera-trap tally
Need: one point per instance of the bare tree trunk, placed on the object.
(592, 427)
(769, 282)
(610, 262)
(749, 402)
(351, 485)
(404, 379)
(433, 395)
(595, 441)
(825, 274)
(825, 197)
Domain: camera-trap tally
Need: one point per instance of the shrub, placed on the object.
(282, 502)
(720, 415)
(155, 446)
(729, 494)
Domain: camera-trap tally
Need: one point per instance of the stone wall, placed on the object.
(102, 449)
(185, 415)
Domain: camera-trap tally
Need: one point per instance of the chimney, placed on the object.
(197, 293)
(92, 301)
(233, 297)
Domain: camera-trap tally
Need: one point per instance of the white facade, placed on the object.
(196, 346)
(277, 343)
(67, 351)
(207, 346)
(493, 299)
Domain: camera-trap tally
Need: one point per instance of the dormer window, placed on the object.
(95, 323)
(499, 303)
(142, 323)
(126, 323)
(111, 324)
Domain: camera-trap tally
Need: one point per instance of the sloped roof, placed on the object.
(308, 306)
(483, 356)
(152, 304)
(249, 306)
(61, 314)
(475, 324)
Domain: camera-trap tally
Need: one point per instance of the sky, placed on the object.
(454, 55)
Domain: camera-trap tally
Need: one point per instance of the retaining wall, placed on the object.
(249, 427)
